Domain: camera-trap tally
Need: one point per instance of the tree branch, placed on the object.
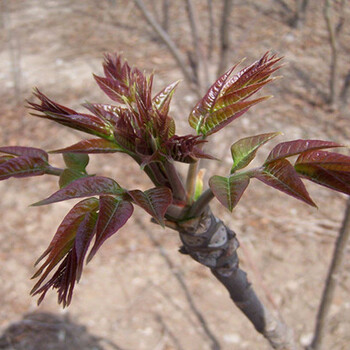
(224, 36)
(210, 242)
(334, 53)
(166, 39)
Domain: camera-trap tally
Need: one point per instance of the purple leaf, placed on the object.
(84, 122)
(63, 239)
(229, 190)
(226, 99)
(69, 271)
(257, 72)
(84, 187)
(327, 160)
(291, 148)
(240, 95)
(244, 150)
(112, 88)
(112, 216)
(154, 201)
(335, 180)
(281, 175)
(206, 104)
(92, 146)
(85, 233)
(30, 152)
(22, 166)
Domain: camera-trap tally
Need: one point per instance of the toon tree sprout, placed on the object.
(139, 124)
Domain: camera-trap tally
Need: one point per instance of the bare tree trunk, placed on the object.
(166, 10)
(196, 60)
(211, 29)
(300, 13)
(334, 53)
(345, 91)
(331, 281)
(174, 50)
(224, 36)
(210, 242)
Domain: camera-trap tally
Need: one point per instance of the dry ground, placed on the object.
(139, 293)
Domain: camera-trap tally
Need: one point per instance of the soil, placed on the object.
(139, 293)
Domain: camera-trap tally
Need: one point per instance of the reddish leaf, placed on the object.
(206, 104)
(226, 99)
(69, 271)
(292, 148)
(92, 146)
(4, 159)
(112, 216)
(63, 239)
(22, 167)
(162, 100)
(335, 180)
(84, 187)
(244, 150)
(229, 190)
(220, 118)
(241, 94)
(281, 175)
(112, 88)
(257, 72)
(85, 233)
(30, 152)
(154, 201)
(327, 160)
(103, 111)
(68, 117)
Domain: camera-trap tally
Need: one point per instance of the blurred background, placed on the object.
(139, 292)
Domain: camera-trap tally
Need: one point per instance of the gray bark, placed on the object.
(211, 243)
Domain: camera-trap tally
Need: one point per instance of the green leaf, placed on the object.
(244, 150)
(76, 161)
(154, 201)
(113, 214)
(292, 148)
(162, 100)
(84, 187)
(69, 175)
(281, 175)
(92, 146)
(229, 190)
